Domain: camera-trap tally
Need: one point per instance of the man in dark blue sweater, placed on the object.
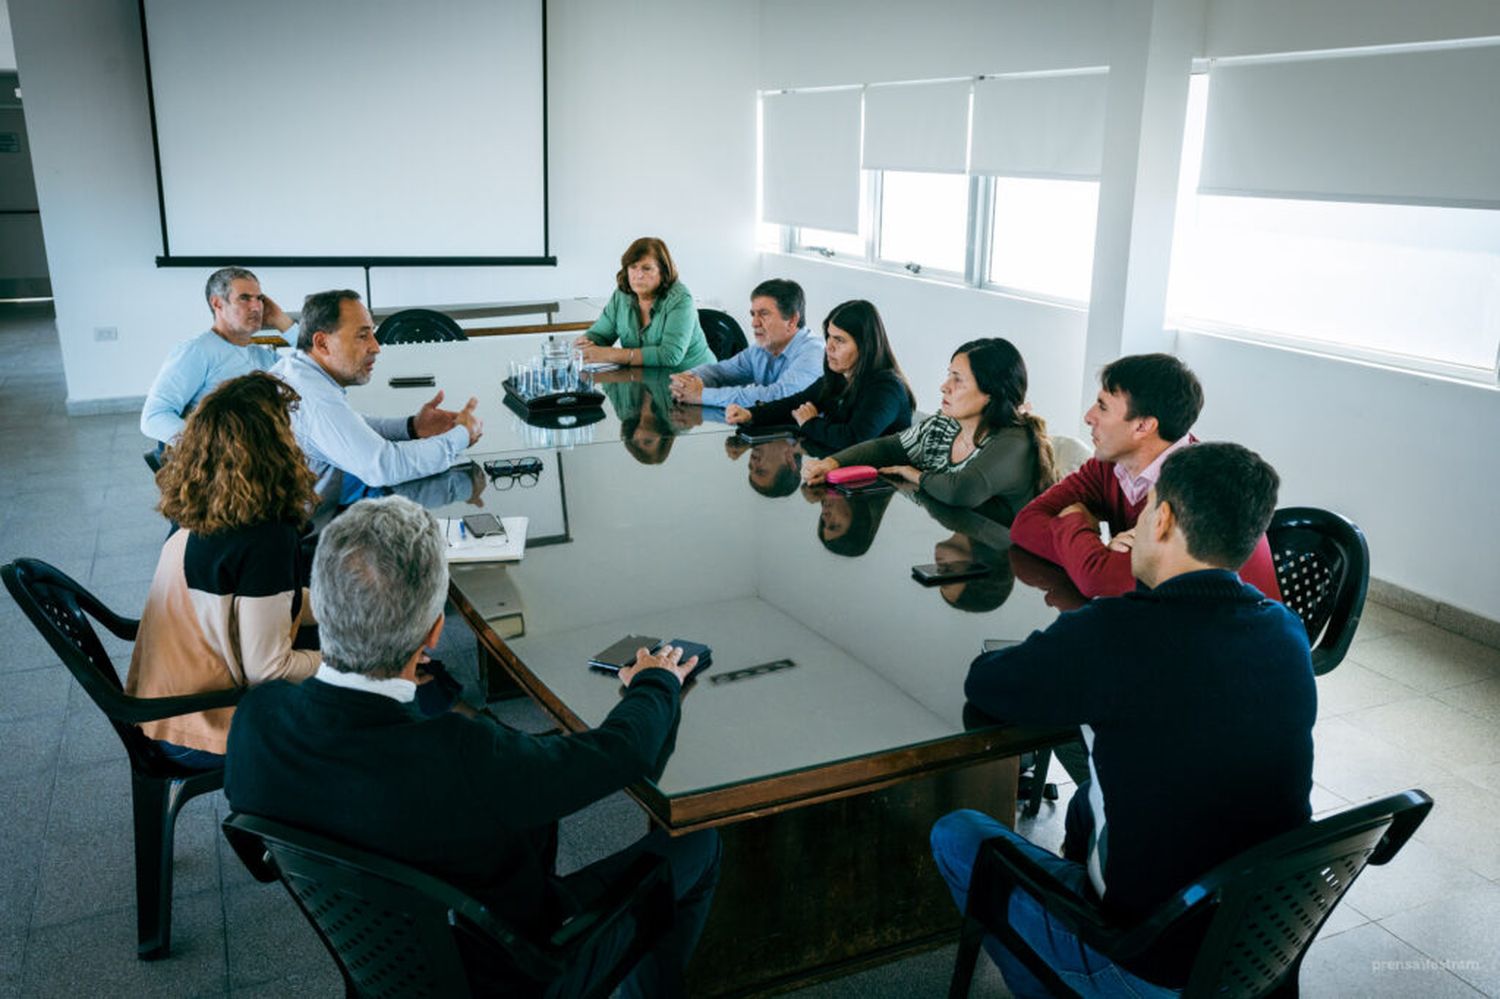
(465, 799)
(1195, 697)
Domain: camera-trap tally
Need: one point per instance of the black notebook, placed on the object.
(622, 653)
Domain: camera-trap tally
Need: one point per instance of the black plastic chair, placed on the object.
(1257, 913)
(724, 335)
(394, 931)
(418, 326)
(1323, 569)
(60, 609)
(153, 460)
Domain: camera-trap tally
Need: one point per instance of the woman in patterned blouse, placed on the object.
(983, 448)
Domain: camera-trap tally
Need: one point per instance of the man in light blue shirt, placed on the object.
(346, 451)
(224, 351)
(785, 358)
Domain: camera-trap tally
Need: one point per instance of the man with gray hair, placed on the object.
(196, 367)
(346, 451)
(465, 799)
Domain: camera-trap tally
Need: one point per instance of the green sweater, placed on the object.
(673, 338)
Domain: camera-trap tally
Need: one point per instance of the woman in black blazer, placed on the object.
(862, 394)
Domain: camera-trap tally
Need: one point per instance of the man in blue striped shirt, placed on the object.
(786, 356)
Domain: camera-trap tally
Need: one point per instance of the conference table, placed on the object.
(830, 730)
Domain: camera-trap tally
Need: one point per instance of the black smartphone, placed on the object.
(938, 573)
(482, 525)
(875, 488)
(761, 436)
(413, 381)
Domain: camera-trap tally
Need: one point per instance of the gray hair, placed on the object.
(220, 280)
(320, 314)
(379, 581)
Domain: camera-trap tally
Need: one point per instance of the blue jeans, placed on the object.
(186, 756)
(955, 845)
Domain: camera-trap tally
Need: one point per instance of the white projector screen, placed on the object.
(350, 131)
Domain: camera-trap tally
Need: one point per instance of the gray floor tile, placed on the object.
(1428, 659)
(313, 983)
(269, 938)
(1430, 729)
(1482, 699)
(96, 956)
(38, 692)
(1352, 687)
(1378, 620)
(88, 737)
(1369, 962)
(1459, 933)
(1462, 824)
(28, 747)
(12, 959)
(1419, 874)
(1357, 766)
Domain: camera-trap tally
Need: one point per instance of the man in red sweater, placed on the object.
(1145, 407)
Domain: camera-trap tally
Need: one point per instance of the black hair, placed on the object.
(1156, 385)
(1000, 373)
(1222, 496)
(320, 314)
(861, 321)
(787, 295)
(865, 514)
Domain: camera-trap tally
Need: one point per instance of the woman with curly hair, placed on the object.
(226, 601)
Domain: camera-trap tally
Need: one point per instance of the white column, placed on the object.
(1155, 42)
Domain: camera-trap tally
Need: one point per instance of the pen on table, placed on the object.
(463, 532)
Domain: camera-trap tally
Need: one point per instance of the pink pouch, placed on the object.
(853, 475)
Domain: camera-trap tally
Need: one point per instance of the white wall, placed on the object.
(1408, 458)
(926, 321)
(626, 159)
(1253, 27)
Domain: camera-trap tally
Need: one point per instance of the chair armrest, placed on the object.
(1403, 824)
(1015, 868)
(251, 850)
(645, 883)
(135, 710)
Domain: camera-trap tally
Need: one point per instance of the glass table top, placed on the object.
(825, 648)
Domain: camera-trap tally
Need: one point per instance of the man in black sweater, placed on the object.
(467, 800)
(1195, 697)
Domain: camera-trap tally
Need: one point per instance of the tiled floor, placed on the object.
(1412, 706)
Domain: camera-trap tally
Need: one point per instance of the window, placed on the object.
(1413, 285)
(1043, 236)
(924, 219)
(829, 243)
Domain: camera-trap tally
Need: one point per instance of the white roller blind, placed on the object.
(1040, 126)
(917, 126)
(1413, 127)
(810, 144)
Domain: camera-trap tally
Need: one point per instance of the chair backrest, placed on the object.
(418, 326)
(392, 930)
(1268, 903)
(1323, 569)
(60, 608)
(724, 335)
(153, 460)
(1069, 453)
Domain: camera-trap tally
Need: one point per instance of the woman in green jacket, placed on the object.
(651, 315)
